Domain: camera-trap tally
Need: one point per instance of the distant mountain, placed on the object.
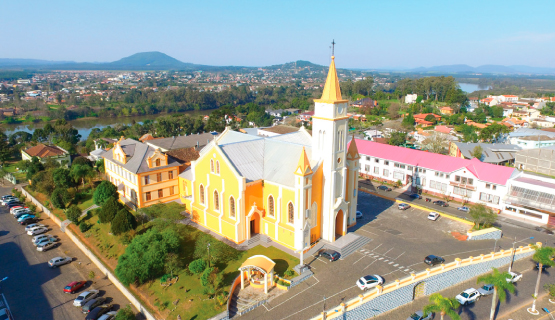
(147, 60)
(297, 64)
(496, 69)
(28, 62)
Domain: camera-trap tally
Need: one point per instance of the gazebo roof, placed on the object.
(259, 261)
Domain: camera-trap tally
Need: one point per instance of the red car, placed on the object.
(74, 286)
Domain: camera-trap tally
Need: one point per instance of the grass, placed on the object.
(11, 168)
(88, 201)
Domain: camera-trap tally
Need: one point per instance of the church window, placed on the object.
(157, 162)
(211, 165)
(232, 207)
(201, 194)
(291, 213)
(218, 167)
(216, 200)
(271, 206)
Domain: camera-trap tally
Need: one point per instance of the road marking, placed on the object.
(399, 256)
(368, 231)
(447, 255)
(406, 270)
(377, 247)
(317, 281)
(387, 252)
(396, 265)
(369, 264)
(321, 260)
(359, 259)
(391, 262)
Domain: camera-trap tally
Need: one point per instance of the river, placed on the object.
(471, 87)
(85, 126)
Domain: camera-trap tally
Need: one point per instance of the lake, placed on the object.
(85, 126)
(471, 87)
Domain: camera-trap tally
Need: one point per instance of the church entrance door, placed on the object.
(339, 225)
(254, 224)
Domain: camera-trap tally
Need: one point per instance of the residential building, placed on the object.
(446, 110)
(420, 118)
(531, 197)
(44, 152)
(530, 138)
(365, 102)
(306, 116)
(294, 188)
(444, 129)
(495, 153)
(144, 175)
(411, 98)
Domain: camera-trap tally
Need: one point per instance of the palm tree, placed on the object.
(500, 286)
(443, 306)
(544, 257)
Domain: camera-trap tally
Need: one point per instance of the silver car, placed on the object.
(486, 289)
(84, 297)
(33, 225)
(47, 246)
(419, 315)
(59, 261)
(38, 230)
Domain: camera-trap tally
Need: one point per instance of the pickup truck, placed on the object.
(514, 277)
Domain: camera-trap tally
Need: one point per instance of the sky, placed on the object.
(368, 33)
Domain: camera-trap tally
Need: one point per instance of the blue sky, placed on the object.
(369, 33)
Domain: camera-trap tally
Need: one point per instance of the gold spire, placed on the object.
(303, 168)
(332, 91)
(352, 152)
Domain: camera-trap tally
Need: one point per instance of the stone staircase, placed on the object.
(349, 248)
(233, 305)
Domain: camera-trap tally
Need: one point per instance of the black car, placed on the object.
(384, 188)
(98, 311)
(415, 196)
(14, 204)
(329, 254)
(27, 220)
(93, 303)
(432, 260)
(441, 203)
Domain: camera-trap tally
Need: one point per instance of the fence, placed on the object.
(93, 258)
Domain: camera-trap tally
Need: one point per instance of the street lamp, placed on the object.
(513, 255)
(208, 248)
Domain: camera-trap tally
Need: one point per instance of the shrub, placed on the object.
(126, 239)
(104, 192)
(125, 314)
(205, 277)
(59, 198)
(109, 210)
(123, 222)
(289, 273)
(165, 278)
(73, 213)
(84, 226)
(92, 275)
(197, 266)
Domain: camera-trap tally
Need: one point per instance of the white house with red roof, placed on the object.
(459, 179)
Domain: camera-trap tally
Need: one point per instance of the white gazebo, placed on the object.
(255, 266)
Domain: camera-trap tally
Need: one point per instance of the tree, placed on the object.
(5, 149)
(62, 178)
(219, 251)
(73, 213)
(125, 314)
(171, 211)
(80, 172)
(443, 306)
(482, 215)
(408, 121)
(109, 210)
(436, 142)
(59, 198)
(393, 111)
(197, 266)
(477, 152)
(173, 263)
(123, 222)
(543, 257)
(145, 256)
(500, 287)
(103, 192)
(397, 138)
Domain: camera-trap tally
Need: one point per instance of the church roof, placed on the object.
(332, 91)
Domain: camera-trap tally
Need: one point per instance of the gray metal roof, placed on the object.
(138, 153)
(526, 132)
(187, 174)
(234, 137)
(491, 152)
(180, 142)
(299, 137)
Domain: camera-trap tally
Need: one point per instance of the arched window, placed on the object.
(216, 200)
(218, 167)
(271, 207)
(211, 165)
(291, 213)
(201, 194)
(157, 162)
(232, 207)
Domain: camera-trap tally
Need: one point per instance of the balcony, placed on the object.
(464, 186)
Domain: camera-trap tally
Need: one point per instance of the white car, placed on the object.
(85, 297)
(35, 231)
(108, 316)
(433, 216)
(41, 236)
(514, 277)
(419, 315)
(15, 210)
(368, 282)
(43, 241)
(7, 199)
(33, 225)
(486, 289)
(463, 209)
(47, 246)
(468, 296)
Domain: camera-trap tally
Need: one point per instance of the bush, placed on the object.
(205, 277)
(104, 192)
(73, 213)
(197, 266)
(84, 226)
(59, 198)
(109, 210)
(123, 222)
(165, 278)
(289, 273)
(125, 314)
(126, 239)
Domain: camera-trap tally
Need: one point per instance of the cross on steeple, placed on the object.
(333, 47)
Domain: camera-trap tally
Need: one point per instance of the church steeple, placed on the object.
(352, 152)
(303, 168)
(332, 91)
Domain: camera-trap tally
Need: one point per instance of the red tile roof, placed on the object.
(43, 151)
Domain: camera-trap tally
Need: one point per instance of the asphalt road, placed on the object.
(35, 291)
(400, 241)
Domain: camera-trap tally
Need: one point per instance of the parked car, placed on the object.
(74, 286)
(463, 209)
(25, 216)
(384, 188)
(33, 225)
(14, 204)
(403, 206)
(514, 277)
(21, 214)
(6, 197)
(433, 216)
(4, 314)
(36, 231)
(43, 241)
(359, 215)
(58, 261)
(44, 236)
(441, 203)
(15, 209)
(108, 316)
(93, 303)
(84, 297)
(486, 289)
(543, 265)
(415, 196)
(10, 200)
(329, 254)
(433, 260)
(468, 296)
(98, 312)
(27, 221)
(419, 315)
(47, 246)
(368, 282)
(20, 210)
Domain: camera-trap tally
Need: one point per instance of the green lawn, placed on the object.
(11, 168)
(86, 202)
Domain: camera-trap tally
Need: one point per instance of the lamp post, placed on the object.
(208, 248)
(513, 254)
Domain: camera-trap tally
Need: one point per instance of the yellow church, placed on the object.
(296, 188)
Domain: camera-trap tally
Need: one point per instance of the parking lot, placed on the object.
(35, 291)
(400, 240)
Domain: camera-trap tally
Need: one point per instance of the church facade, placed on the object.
(296, 188)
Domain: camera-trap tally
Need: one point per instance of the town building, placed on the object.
(530, 138)
(540, 160)
(44, 152)
(531, 197)
(294, 188)
(446, 110)
(198, 141)
(421, 118)
(495, 153)
(411, 98)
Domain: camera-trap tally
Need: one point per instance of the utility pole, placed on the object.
(208, 248)
(513, 253)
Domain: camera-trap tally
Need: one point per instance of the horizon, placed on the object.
(400, 35)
